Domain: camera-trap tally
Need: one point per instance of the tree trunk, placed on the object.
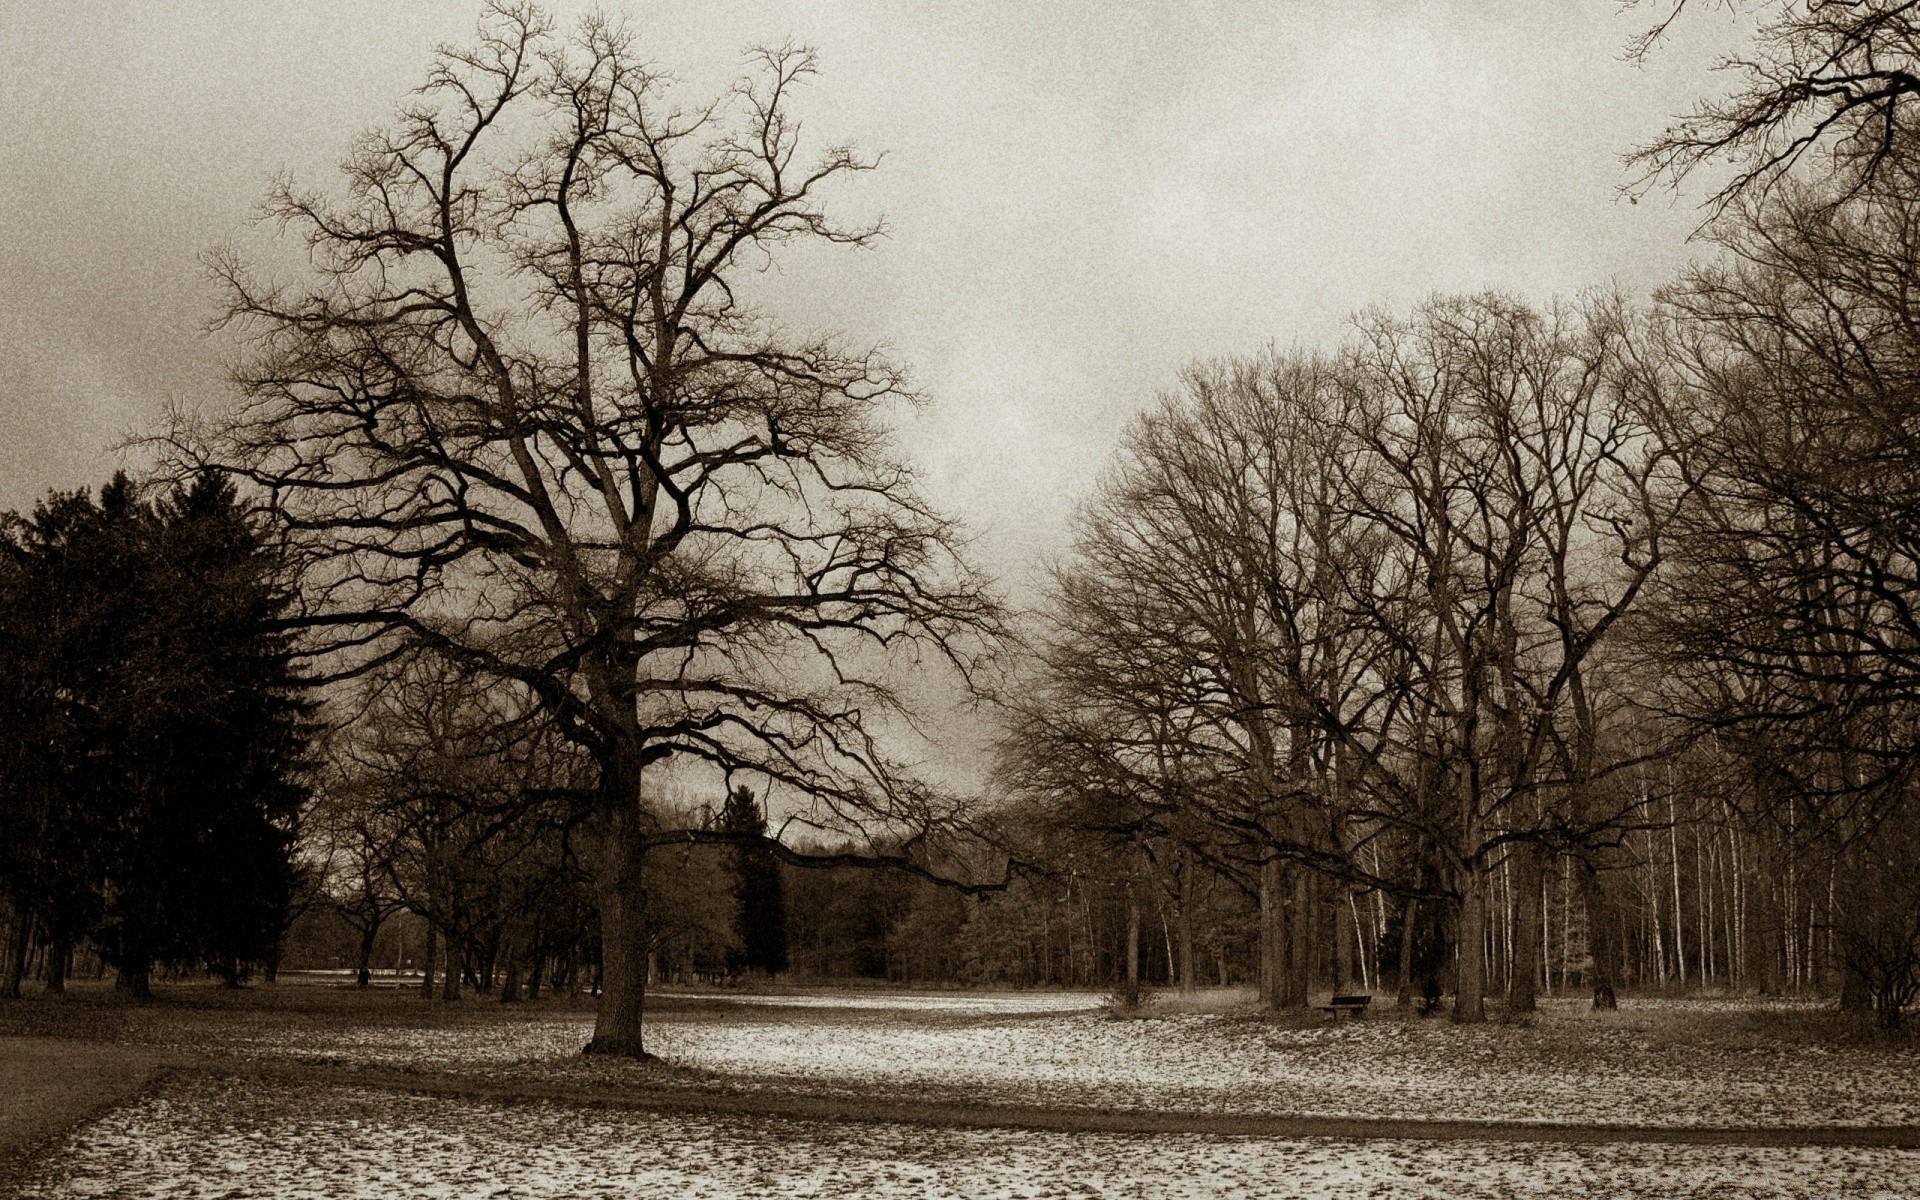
(426, 961)
(1345, 931)
(1470, 982)
(1603, 944)
(624, 941)
(535, 975)
(1856, 990)
(1300, 939)
(1524, 980)
(1133, 938)
(1184, 922)
(452, 961)
(363, 977)
(19, 942)
(510, 981)
(59, 955)
(1404, 997)
(1273, 925)
(135, 978)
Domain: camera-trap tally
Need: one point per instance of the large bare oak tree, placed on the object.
(523, 413)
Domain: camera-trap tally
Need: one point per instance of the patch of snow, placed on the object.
(230, 1140)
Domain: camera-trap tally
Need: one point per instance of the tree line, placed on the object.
(154, 735)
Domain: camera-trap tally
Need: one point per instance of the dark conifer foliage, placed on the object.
(152, 769)
(761, 922)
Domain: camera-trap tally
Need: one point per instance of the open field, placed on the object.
(307, 1090)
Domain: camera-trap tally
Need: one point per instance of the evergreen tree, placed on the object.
(153, 780)
(761, 920)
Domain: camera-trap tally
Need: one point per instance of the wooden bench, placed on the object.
(1353, 1006)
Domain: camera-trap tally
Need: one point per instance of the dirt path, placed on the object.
(50, 1085)
(809, 1106)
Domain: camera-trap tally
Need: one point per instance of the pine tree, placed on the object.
(761, 919)
(159, 781)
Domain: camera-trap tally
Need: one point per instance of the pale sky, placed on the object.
(1081, 198)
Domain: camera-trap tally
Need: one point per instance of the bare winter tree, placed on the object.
(1836, 79)
(524, 414)
(1512, 475)
(1199, 655)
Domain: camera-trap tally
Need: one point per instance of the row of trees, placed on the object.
(1489, 586)
(153, 735)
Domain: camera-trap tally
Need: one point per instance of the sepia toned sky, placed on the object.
(1081, 197)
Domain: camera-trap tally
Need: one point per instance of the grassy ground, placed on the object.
(48, 1086)
(1786, 1097)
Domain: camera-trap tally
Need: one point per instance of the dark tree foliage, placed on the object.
(153, 784)
(761, 922)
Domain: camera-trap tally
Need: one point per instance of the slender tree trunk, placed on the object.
(1133, 938)
(535, 975)
(1522, 981)
(1184, 922)
(1345, 931)
(624, 939)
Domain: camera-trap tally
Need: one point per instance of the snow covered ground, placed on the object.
(1656, 1064)
(208, 1138)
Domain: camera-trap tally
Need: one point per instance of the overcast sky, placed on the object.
(1081, 197)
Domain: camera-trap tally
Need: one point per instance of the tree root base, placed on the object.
(595, 1049)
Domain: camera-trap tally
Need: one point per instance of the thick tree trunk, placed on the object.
(1300, 939)
(1470, 981)
(1856, 991)
(452, 962)
(426, 961)
(363, 975)
(510, 981)
(135, 978)
(624, 937)
(19, 942)
(1524, 981)
(59, 956)
(1603, 942)
(1273, 924)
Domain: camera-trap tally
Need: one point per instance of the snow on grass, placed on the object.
(231, 1140)
(1714, 1062)
(1643, 1066)
(969, 1003)
(1599, 1072)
